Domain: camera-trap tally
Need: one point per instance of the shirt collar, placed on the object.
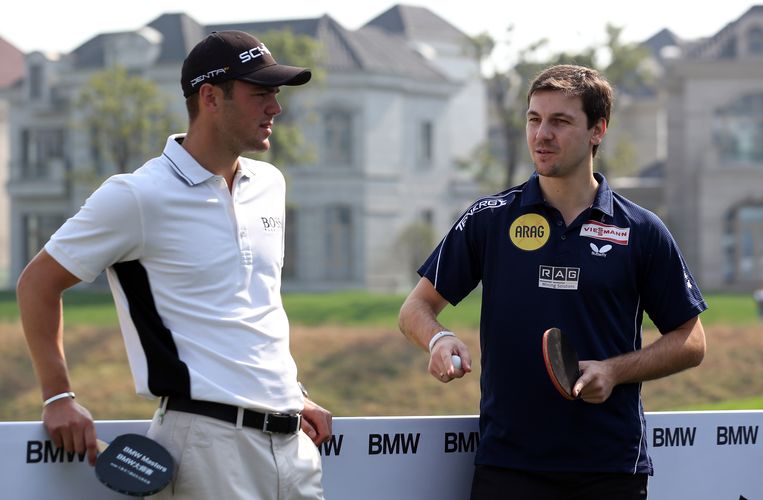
(603, 200)
(532, 194)
(188, 168)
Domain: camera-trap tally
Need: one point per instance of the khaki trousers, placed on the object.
(214, 460)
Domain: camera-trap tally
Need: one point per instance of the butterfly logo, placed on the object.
(600, 252)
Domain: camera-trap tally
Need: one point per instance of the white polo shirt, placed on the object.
(195, 271)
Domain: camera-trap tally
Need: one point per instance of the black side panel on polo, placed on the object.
(167, 374)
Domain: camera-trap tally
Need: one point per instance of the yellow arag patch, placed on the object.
(529, 232)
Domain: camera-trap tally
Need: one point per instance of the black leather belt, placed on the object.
(280, 423)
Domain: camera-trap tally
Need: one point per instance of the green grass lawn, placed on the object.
(358, 308)
(80, 308)
(368, 309)
(755, 403)
(350, 308)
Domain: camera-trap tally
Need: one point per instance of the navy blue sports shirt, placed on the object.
(594, 280)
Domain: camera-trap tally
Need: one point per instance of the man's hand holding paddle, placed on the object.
(596, 381)
(591, 381)
(135, 465)
(71, 426)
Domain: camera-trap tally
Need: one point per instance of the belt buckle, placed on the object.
(266, 422)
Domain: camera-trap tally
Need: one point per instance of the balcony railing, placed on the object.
(39, 180)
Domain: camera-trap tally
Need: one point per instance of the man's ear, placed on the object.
(599, 131)
(209, 96)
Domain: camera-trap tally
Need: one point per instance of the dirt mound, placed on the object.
(361, 371)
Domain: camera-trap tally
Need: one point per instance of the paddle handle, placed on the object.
(101, 445)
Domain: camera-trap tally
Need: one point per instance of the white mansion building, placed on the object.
(402, 102)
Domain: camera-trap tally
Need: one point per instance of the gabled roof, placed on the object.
(722, 44)
(91, 53)
(417, 23)
(13, 65)
(368, 49)
(663, 38)
(180, 33)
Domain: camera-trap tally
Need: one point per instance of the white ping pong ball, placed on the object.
(456, 359)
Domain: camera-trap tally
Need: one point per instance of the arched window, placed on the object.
(738, 130)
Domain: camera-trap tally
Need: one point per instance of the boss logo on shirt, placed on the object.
(559, 278)
(271, 223)
(529, 232)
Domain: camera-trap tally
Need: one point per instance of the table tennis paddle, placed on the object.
(561, 361)
(134, 465)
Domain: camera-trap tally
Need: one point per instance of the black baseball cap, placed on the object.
(236, 55)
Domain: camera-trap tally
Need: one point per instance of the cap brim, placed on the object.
(277, 75)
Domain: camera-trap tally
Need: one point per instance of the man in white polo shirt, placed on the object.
(193, 245)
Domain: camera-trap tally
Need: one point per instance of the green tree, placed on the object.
(414, 243)
(287, 144)
(619, 157)
(627, 69)
(126, 118)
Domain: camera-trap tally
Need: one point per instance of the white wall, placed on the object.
(696, 455)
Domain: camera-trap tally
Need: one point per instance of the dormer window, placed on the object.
(755, 41)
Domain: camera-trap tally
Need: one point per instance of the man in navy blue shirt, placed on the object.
(561, 250)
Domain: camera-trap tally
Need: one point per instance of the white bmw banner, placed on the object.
(697, 455)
